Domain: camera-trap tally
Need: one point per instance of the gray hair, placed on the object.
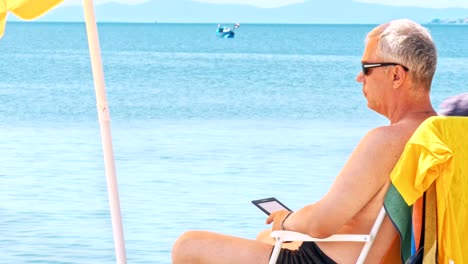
(410, 44)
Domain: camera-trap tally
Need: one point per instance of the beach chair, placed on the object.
(367, 239)
(430, 183)
(438, 148)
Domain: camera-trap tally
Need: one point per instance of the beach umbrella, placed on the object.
(30, 9)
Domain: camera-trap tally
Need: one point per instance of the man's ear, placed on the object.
(399, 75)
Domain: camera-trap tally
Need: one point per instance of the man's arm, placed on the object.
(362, 177)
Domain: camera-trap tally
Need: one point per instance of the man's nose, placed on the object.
(360, 77)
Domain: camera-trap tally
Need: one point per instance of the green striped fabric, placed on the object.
(401, 216)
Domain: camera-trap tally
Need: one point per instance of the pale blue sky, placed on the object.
(262, 11)
(280, 3)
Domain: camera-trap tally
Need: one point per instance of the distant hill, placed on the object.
(450, 21)
(185, 11)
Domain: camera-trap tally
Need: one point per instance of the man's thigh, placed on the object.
(208, 247)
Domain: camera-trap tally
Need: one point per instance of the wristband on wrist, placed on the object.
(284, 219)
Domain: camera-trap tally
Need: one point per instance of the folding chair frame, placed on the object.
(367, 239)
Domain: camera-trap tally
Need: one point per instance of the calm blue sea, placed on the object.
(201, 126)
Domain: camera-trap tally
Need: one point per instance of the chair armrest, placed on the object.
(367, 239)
(295, 236)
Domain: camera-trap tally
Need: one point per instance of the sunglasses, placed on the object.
(366, 66)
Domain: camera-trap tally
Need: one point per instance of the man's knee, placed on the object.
(265, 236)
(184, 247)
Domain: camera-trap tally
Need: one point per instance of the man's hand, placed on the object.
(277, 219)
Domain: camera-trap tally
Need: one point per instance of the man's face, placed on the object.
(374, 82)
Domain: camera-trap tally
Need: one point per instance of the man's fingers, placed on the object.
(270, 218)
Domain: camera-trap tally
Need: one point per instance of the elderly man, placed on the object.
(398, 65)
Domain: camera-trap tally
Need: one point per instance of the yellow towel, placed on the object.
(438, 153)
(25, 9)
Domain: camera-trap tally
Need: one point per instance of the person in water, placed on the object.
(398, 64)
(456, 105)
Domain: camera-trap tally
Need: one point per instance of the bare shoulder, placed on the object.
(385, 144)
(380, 149)
(393, 136)
(392, 131)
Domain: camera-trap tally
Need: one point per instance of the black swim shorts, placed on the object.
(308, 253)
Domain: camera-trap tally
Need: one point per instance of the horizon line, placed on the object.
(245, 23)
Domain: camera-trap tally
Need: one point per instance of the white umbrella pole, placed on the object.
(104, 122)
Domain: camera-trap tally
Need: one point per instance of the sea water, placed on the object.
(200, 125)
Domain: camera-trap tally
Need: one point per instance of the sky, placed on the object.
(280, 3)
(262, 11)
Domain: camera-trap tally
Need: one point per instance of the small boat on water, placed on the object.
(226, 32)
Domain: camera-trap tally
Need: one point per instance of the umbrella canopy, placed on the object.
(25, 9)
(30, 9)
